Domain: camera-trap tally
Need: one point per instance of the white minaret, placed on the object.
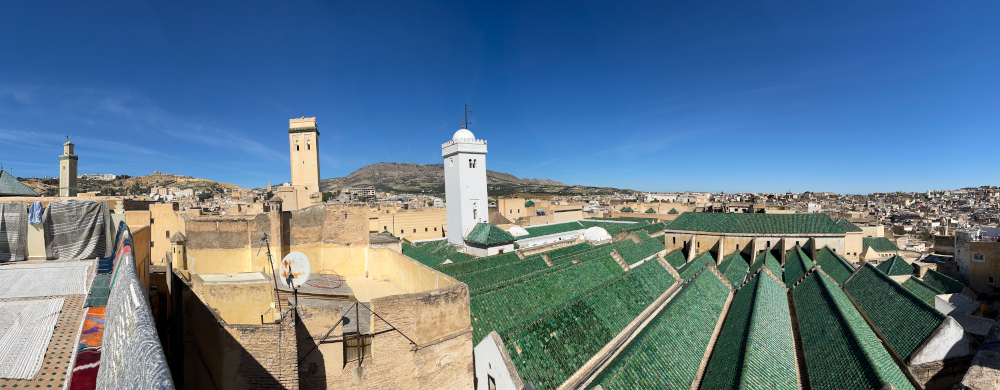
(465, 184)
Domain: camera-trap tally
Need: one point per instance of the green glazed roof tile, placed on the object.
(901, 316)
(841, 351)
(834, 265)
(755, 349)
(880, 244)
(848, 226)
(488, 234)
(922, 290)
(10, 186)
(797, 263)
(734, 267)
(756, 223)
(942, 282)
(896, 266)
(667, 353)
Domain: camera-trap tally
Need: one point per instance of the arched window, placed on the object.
(978, 257)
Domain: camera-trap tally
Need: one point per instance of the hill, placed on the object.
(131, 185)
(421, 178)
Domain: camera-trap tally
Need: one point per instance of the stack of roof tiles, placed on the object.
(900, 316)
(756, 347)
(667, 353)
(841, 352)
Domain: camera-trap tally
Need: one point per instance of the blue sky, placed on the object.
(662, 96)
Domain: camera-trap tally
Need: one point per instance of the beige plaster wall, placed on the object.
(853, 245)
(237, 300)
(422, 224)
(981, 272)
(410, 275)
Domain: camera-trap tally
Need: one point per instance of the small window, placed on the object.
(991, 280)
(151, 243)
(385, 227)
(698, 245)
(168, 234)
(978, 257)
(425, 229)
(737, 247)
(414, 230)
(768, 244)
(357, 348)
(296, 148)
(308, 147)
(675, 240)
(796, 243)
(435, 229)
(400, 231)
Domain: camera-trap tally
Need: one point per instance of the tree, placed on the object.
(327, 196)
(927, 235)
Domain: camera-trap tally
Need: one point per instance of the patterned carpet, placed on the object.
(59, 353)
(88, 357)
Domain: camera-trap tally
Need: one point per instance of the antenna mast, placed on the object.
(465, 119)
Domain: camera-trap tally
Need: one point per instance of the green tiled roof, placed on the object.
(635, 252)
(421, 256)
(834, 265)
(896, 266)
(666, 354)
(554, 228)
(672, 211)
(943, 283)
(734, 267)
(902, 317)
(10, 186)
(848, 226)
(756, 223)
(650, 211)
(755, 349)
(557, 344)
(797, 263)
(627, 209)
(921, 289)
(514, 268)
(675, 258)
(880, 244)
(841, 351)
(689, 269)
(766, 258)
(514, 306)
(441, 248)
(529, 204)
(488, 234)
(477, 264)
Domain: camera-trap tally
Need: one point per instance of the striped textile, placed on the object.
(13, 231)
(43, 280)
(25, 329)
(88, 356)
(77, 229)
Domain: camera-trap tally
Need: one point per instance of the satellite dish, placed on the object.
(294, 269)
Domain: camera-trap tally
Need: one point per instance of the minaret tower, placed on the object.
(465, 184)
(303, 141)
(67, 170)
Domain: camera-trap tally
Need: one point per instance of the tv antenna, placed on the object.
(465, 119)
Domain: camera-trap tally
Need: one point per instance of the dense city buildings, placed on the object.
(469, 290)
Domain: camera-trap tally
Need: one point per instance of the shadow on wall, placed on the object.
(211, 354)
